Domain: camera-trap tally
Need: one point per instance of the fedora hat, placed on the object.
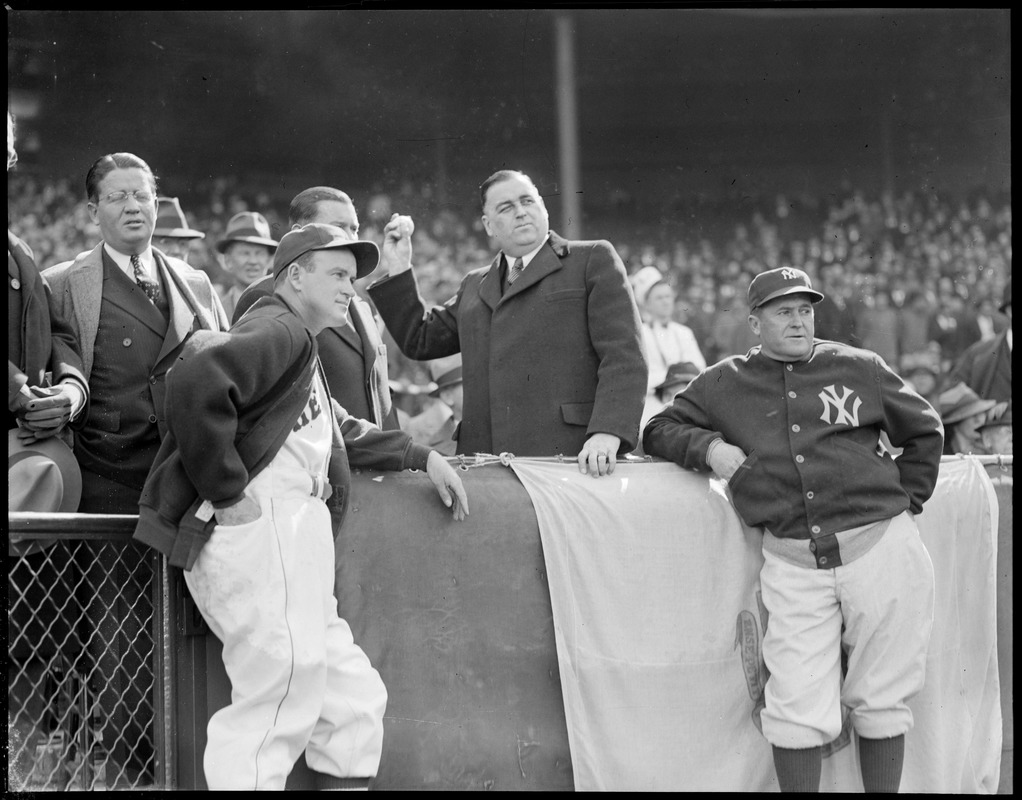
(445, 372)
(42, 476)
(681, 372)
(248, 226)
(319, 236)
(779, 282)
(960, 402)
(997, 419)
(171, 222)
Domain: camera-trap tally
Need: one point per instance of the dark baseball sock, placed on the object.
(798, 770)
(880, 761)
(331, 783)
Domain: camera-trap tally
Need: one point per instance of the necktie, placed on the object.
(151, 289)
(516, 270)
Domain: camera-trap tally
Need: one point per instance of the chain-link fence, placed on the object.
(86, 689)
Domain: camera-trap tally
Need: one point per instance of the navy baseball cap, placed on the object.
(318, 236)
(778, 282)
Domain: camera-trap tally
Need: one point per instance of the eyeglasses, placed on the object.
(142, 196)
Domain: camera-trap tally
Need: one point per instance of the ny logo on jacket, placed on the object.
(843, 416)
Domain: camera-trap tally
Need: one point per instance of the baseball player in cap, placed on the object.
(793, 429)
(245, 495)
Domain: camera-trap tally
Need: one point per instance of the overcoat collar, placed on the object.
(547, 261)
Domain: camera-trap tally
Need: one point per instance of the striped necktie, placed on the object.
(151, 288)
(515, 271)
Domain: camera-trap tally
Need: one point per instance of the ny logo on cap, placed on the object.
(790, 274)
(830, 399)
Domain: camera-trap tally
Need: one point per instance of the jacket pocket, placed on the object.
(565, 294)
(743, 470)
(577, 413)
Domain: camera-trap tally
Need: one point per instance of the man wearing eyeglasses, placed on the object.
(132, 307)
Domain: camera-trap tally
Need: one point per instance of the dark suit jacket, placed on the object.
(354, 359)
(554, 360)
(38, 339)
(986, 368)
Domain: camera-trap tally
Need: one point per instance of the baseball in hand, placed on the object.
(405, 226)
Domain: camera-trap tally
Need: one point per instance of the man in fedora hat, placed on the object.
(549, 334)
(437, 426)
(962, 412)
(246, 254)
(39, 341)
(132, 308)
(353, 354)
(793, 429)
(171, 233)
(246, 495)
(986, 365)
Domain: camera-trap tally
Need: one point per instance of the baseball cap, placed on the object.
(319, 236)
(778, 282)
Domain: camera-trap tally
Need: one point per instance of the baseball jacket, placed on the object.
(232, 400)
(811, 433)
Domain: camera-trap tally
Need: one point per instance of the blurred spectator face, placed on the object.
(125, 222)
(785, 327)
(247, 262)
(923, 381)
(997, 439)
(515, 216)
(660, 302)
(173, 246)
(339, 214)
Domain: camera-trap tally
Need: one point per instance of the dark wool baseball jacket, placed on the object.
(232, 400)
(810, 431)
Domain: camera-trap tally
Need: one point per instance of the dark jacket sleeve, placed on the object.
(369, 447)
(682, 432)
(615, 331)
(218, 376)
(422, 333)
(913, 425)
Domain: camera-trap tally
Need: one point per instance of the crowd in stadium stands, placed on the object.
(915, 277)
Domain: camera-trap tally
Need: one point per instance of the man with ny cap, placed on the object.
(171, 233)
(549, 335)
(246, 252)
(793, 429)
(131, 307)
(353, 354)
(247, 493)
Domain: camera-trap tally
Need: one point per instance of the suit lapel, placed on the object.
(489, 287)
(182, 312)
(544, 263)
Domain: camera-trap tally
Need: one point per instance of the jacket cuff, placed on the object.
(416, 456)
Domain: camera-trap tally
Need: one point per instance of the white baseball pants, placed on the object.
(298, 680)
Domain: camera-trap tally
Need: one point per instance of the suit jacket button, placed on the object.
(15, 283)
(152, 418)
(126, 342)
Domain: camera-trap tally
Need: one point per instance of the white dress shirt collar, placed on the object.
(124, 262)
